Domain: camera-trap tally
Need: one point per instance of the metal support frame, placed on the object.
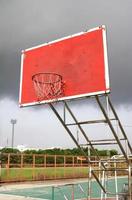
(117, 140)
(67, 129)
(120, 125)
(83, 132)
(89, 122)
(74, 139)
(112, 128)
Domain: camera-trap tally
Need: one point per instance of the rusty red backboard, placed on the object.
(80, 59)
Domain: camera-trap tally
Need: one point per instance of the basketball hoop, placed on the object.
(47, 86)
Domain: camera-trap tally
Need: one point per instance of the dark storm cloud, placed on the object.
(24, 24)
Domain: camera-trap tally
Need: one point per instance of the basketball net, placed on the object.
(48, 86)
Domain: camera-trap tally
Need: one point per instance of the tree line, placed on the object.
(15, 155)
(59, 151)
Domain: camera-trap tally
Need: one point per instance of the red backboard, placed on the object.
(80, 59)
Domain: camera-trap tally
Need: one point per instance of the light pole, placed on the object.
(13, 122)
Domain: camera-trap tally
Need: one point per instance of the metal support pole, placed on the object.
(116, 184)
(106, 181)
(111, 127)
(64, 113)
(72, 192)
(53, 193)
(129, 181)
(120, 125)
(99, 170)
(103, 177)
(89, 183)
(107, 105)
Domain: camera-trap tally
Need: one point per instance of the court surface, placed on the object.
(44, 190)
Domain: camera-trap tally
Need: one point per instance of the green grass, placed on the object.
(20, 174)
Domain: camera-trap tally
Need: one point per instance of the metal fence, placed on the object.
(28, 167)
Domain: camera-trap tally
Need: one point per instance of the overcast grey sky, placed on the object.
(24, 24)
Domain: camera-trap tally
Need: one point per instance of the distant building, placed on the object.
(21, 148)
